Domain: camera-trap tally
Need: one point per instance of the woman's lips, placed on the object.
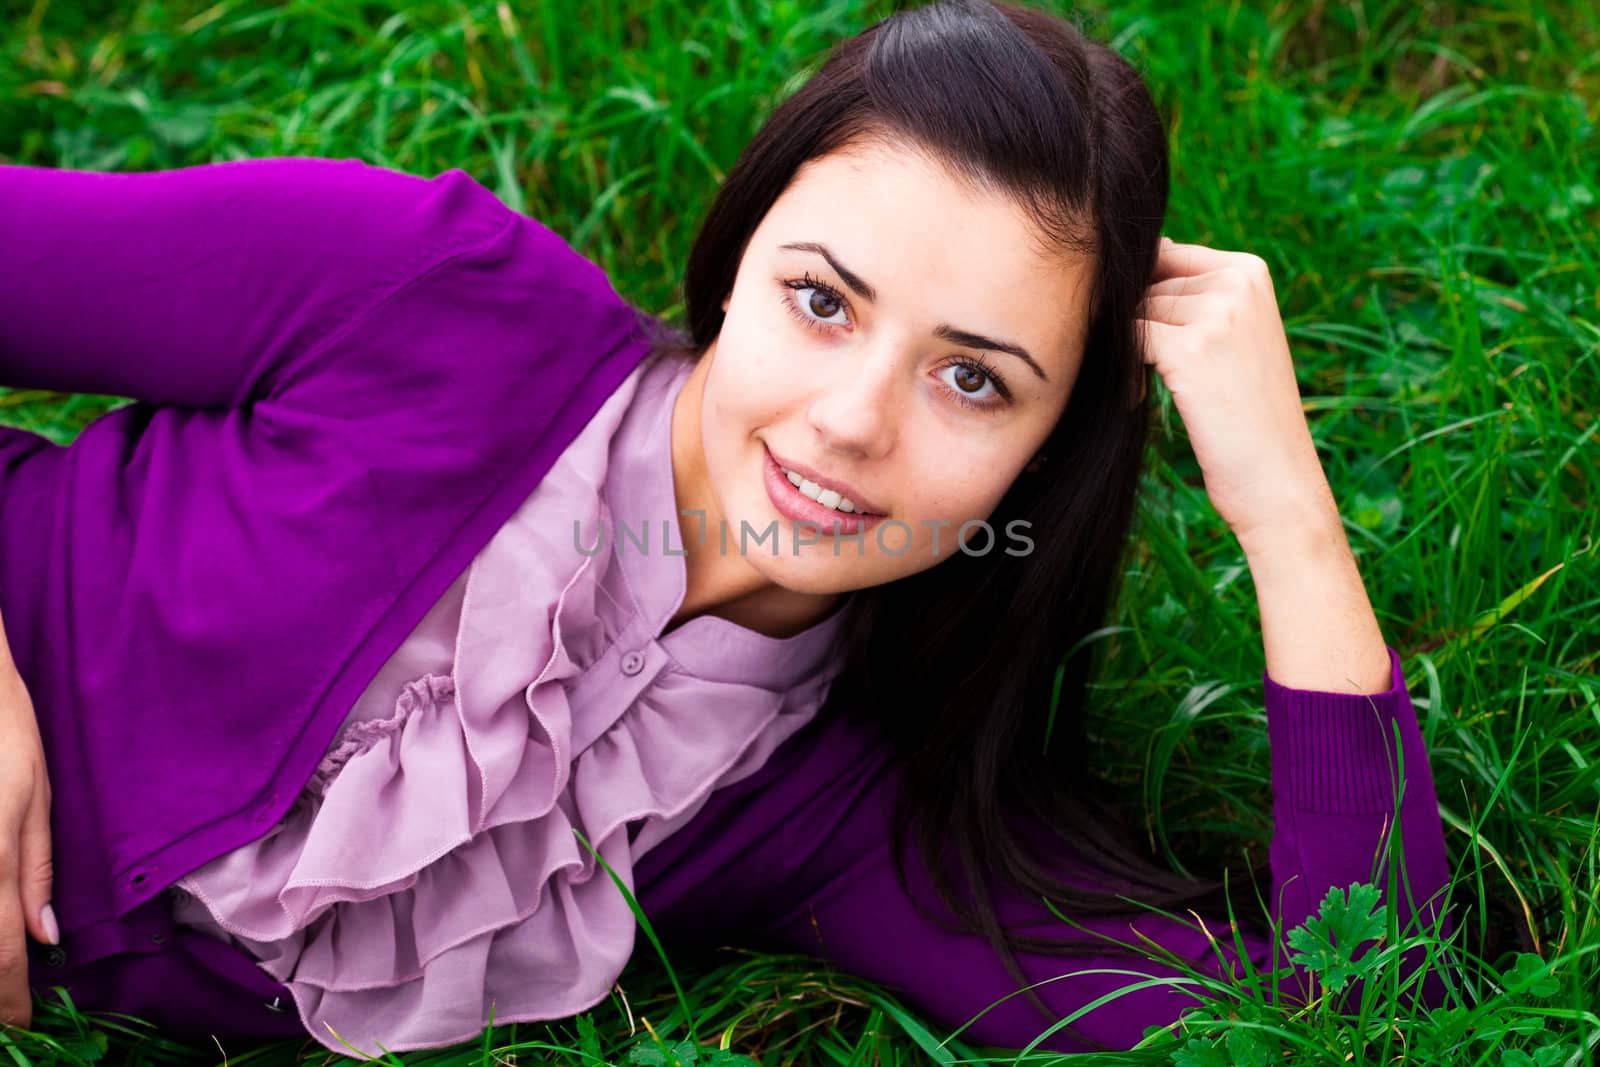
(859, 503)
(794, 505)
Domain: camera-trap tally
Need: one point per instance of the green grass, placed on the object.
(1422, 178)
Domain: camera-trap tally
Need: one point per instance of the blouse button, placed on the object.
(632, 663)
(56, 957)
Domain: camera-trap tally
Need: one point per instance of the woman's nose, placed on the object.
(855, 415)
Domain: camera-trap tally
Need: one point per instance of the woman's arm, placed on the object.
(211, 286)
(796, 858)
(1337, 705)
(1318, 629)
(1338, 779)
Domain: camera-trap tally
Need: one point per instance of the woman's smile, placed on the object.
(793, 503)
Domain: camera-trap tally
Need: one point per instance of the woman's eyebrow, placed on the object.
(944, 331)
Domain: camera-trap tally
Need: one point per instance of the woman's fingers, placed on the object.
(1178, 309)
(16, 1004)
(1232, 279)
(1159, 339)
(38, 867)
(25, 854)
(1175, 259)
(25, 781)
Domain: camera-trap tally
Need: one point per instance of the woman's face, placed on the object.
(856, 364)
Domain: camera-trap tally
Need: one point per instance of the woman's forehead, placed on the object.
(888, 199)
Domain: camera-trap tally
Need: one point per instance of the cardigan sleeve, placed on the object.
(407, 357)
(1344, 795)
(824, 881)
(1338, 781)
(217, 285)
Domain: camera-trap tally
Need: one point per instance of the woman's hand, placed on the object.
(1213, 332)
(26, 872)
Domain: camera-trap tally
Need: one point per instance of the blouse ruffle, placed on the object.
(475, 891)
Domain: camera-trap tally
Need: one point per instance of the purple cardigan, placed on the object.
(333, 365)
(345, 375)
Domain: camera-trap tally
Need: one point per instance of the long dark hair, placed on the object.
(1019, 101)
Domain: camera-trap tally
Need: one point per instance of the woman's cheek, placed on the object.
(960, 499)
(771, 385)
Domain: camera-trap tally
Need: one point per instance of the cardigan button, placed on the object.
(56, 957)
(632, 663)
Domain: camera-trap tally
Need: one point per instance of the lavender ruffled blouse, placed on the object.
(431, 868)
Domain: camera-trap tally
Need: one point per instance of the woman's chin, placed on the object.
(813, 570)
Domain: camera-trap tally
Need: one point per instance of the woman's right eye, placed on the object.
(801, 296)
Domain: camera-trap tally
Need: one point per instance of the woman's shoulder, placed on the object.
(385, 224)
(465, 303)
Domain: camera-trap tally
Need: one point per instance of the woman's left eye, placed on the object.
(969, 373)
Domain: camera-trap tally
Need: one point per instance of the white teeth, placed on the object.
(828, 498)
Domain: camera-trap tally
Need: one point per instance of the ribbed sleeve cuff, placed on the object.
(1334, 753)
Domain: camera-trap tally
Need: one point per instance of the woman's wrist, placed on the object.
(1318, 629)
(1303, 511)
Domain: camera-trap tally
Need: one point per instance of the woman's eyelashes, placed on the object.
(799, 308)
(977, 365)
(794, 285)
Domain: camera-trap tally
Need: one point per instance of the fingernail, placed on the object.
(52, 932)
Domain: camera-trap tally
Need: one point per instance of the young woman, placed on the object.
(424, 564)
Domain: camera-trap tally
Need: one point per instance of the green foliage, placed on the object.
(1332, 946)
(683, 1054)
(1326, 944)
(1423, 180)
